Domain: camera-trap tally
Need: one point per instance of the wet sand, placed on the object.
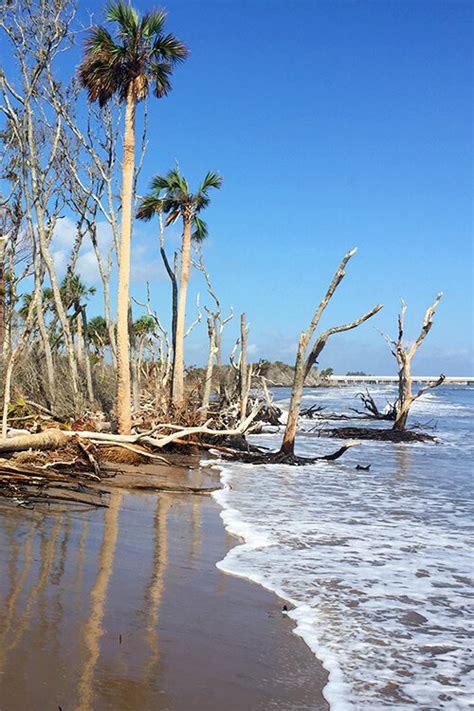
(122, 609)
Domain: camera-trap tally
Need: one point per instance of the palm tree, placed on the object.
(177, 201)
(98, 335)
(142, 329)
(73, 293)
(127, 65)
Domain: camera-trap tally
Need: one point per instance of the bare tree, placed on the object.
(404, 355)
(245, 371)
(215, 327)
(211, 330)
(305, 362)
(38, 33)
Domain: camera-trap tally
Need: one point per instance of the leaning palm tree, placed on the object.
(171, 195)
(138, 57)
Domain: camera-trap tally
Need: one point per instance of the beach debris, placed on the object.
(371, 410)
(373, 433)
(281, 457)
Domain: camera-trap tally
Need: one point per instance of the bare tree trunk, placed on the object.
(304, 363)
(210, 367)
(3, 243)
(288, 444)
(141, 346)
(133, 363)
(47, 352)
(87, 360)
(79, 337)
(173, 275)
(124, 414)
(178, 370)
(404, 356)
(244, 373)
(13, 357)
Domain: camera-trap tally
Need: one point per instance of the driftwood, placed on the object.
(292, 459)
(53, 439)
(381, 435)
(371, 409)
(49, 439)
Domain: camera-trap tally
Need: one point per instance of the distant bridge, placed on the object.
(393, 379)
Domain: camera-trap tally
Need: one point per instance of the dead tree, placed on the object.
(38, 34)
(305, 362)
(210, 368)
(404, 356)
(218, 321)
(245, 374)
(371, 409)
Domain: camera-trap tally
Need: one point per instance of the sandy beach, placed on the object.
(123, 608)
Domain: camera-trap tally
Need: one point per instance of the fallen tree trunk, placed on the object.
(53, 439)
(49, 439)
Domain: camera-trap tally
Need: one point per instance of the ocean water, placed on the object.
(378, 564)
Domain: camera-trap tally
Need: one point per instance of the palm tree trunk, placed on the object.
(123, 406)
(178, 370)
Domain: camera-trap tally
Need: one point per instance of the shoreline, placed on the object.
(297, 611)
(125, 608)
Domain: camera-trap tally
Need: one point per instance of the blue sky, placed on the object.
(334, 124)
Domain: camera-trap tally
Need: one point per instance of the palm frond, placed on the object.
(152, 23)
(160, 75)
(173, 216)
(149, 206)
(201, 201)
(102, 78)
(159, 183)
(170, 48)
(200, 231)
(101, 41)
(212, 180)
(125, 16)
(176, 182)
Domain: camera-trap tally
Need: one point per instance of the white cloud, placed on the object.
(64, 234)
(87, 268)
(63, 240)
(60, 258)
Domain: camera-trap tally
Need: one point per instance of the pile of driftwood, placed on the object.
(79, 465)
(72, 464)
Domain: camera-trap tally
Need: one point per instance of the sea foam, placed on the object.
(376, 564)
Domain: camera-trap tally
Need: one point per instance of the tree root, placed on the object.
(291, 459)
(381, 435)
